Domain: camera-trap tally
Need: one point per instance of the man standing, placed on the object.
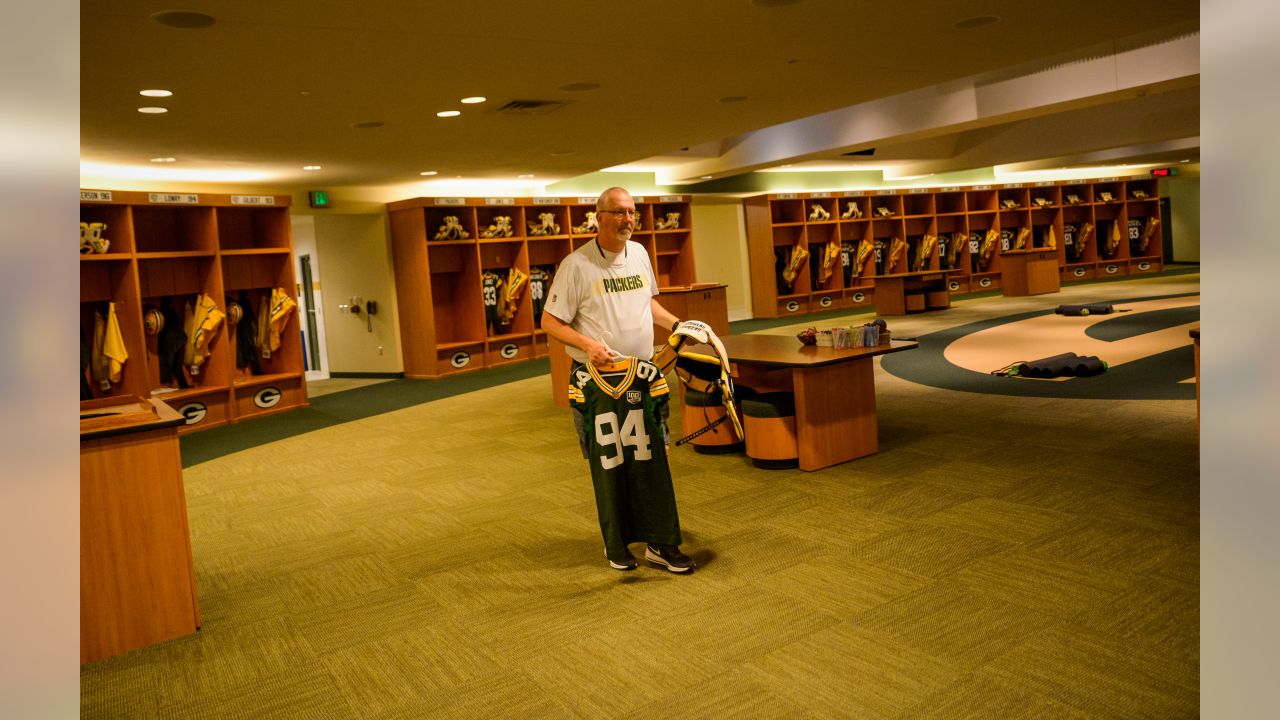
(603, 305)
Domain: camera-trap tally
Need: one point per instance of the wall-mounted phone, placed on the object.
(353, 305)
(357, 305)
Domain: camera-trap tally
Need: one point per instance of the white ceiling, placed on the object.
(273, 86)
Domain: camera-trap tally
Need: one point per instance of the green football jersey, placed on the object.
(539, 281)
(490, 285)
(623, 407)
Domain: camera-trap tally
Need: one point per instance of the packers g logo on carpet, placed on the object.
(1145, 343)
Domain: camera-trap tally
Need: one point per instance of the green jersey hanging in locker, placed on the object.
(539, 281)
(491, 285)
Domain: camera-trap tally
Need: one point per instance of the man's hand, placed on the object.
(598, 353)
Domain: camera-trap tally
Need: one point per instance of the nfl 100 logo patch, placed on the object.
(633, 397)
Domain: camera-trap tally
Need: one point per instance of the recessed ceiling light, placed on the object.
(449, 113)
(580, 87)
(706, 177)
(976, 22)
(310, 167)
(368, 125)
(473, 100)
(153, 110)
(1182, 161)
(164, 160)
(183, 19)
(428, 172)
(525, 176)
(732, 98)
(155, 93)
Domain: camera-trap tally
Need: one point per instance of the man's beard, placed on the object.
(624, 234)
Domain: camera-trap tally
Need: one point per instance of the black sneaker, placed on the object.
(670, 556)
(627, 563)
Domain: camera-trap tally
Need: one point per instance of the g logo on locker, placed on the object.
(267, 397)
(194, 412)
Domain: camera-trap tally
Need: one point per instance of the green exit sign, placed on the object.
(318, 198)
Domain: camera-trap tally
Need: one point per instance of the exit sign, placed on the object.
(1165, 172)
(318, 198)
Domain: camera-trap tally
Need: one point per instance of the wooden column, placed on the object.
(137, 580)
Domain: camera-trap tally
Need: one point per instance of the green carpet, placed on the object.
(328, 410)
(1157, 377)
(443, 560)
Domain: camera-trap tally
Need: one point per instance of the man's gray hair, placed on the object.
(600, 201)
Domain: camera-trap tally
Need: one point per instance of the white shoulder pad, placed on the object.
(696, 330)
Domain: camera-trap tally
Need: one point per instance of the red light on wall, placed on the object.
(1164, 172)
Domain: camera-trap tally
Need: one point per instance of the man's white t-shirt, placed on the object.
(606, 296)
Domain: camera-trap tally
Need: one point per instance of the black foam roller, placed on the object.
(1089, 365)
(1047, 367)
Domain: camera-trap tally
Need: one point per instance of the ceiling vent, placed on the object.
(861, 153)
(530, 107)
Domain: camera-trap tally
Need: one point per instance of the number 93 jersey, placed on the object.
(623, 407)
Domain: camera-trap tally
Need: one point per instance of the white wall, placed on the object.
(720, 250)
(356, 252)
(1184, 208)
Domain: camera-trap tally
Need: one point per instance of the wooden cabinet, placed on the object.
(985, 235)
(167, 250)
(137, 580)
(700, 301)
(1030, 272)
(443, 249)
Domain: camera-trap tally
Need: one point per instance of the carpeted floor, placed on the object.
(1000, 557)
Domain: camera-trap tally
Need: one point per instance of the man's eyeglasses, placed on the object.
(629, 214)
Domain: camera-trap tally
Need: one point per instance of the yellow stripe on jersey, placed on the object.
(614, 391)
(659, 387)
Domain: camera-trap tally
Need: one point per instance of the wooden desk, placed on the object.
(900, 293)
(1029, 272)
(137, 581)
(834, 391)
(701, 301)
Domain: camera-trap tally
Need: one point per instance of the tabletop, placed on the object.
(788, 351)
